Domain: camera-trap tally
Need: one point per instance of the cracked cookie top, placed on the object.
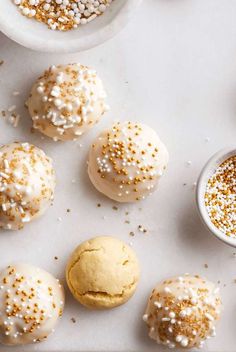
(102, 272)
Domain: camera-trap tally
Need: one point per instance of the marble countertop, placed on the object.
(173, 67)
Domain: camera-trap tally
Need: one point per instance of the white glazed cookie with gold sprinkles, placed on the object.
(66, 101)
(31, 301)
(182, 312)
(27, 182)
(126, 162)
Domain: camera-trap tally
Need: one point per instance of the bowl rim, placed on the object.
(102, 35)
(206, 172)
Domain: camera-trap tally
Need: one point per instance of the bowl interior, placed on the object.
(207, 172)
(37, 36)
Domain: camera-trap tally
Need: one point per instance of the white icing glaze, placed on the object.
(31, 301)
(66, 101)
(182, 312)
(27, 182)
(126, 161)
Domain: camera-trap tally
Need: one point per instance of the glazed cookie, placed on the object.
(182, 312)
(31, 301)
(27, 182)
(126, 162)
(66, 101)
(102, 273)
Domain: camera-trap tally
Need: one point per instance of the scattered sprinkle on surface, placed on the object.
(142, 229)
(10, 116)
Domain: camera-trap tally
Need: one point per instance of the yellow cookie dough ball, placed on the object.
(126, 161)
(31, 302)
(66, 101)
(27, 183)
(182, 312)
(102, 272)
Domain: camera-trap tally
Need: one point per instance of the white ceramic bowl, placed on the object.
(206, 173)
(36, 36)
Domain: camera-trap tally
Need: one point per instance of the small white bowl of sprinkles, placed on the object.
(216, 195)
(62, 26)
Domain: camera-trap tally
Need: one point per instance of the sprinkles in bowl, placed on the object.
(220, 197)
(63, 15)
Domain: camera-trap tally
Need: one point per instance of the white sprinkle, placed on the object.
(179, 338)
(157, 304)
(209, 316)
(172, 315)
(184, 342)
(11, 108)
(6, 164)
(165, 319)
(145, 317)
(40, 89)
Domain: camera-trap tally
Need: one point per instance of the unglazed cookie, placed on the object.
(102, 273)
(31, 301)
(183, 311)
(66, 101)
(27, 182)
(126, 161)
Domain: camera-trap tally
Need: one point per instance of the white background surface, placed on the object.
(174, 68)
